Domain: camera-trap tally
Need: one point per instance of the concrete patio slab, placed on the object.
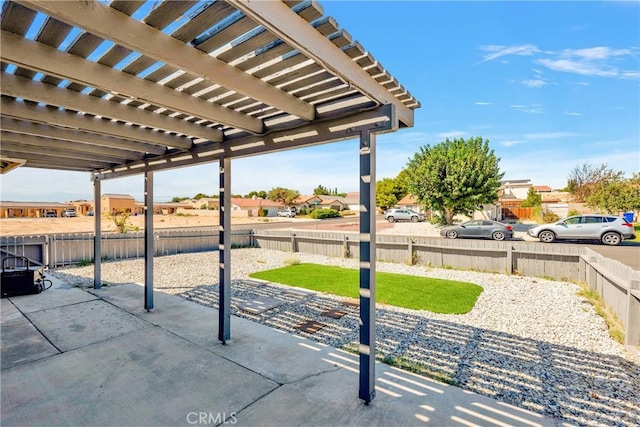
(147, 378)
(166, 367)
(63, 295)
(74, 326)
(272, 353)
(20, 341)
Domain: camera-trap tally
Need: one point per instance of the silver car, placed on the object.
(609, 229)
(478, 228)
(399, 214)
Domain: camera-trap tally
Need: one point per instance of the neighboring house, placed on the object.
(204, 203)
(515, 189)
(252, 206)
(331, 203)
(352, 201)
(411, 202)
(118, 203)
(306, 202)
(10, 209)
(83, 207)
(167, 208)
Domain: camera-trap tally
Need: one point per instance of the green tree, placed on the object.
(455, 176)
(121, 221)
(321, 190)
(259, 194)
(617, 194)
(584, 179)
(200, 196)
(533, 199)
(179, 199)
(283, 195)
(389, 191)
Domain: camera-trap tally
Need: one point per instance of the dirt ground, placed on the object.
(27, 226)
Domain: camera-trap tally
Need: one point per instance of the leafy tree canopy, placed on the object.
(259, 194)
(321, 190)
(533, 199)
(179, 199)
(615, 195)
(389, 191)
(283, 195)
(455, 176)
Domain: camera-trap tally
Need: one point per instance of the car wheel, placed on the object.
(611, 238)
(547, 236)
(391, 219)
(497, 235)
(414, 219)
(452, 234)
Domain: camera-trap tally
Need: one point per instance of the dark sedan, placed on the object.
(478, 229)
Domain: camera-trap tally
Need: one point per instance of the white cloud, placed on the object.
(482, 103)
(548, 135)
(534, 83)
(532, 109)
(496, 51)
(510, 143)
(584, 68)
(573, 113)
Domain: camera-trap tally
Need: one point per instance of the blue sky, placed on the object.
(551, 85)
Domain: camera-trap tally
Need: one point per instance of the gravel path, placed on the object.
(528, 341)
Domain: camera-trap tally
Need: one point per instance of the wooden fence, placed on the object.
(619, 287)
(527, 258)
(618, 284)
(54, 250)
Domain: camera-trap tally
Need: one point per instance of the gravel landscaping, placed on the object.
(530, 342)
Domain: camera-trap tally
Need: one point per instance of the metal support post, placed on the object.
(148, 240)
(224, 311)
(367, 266)
(97, 235)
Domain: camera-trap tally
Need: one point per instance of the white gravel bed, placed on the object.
(530, 342)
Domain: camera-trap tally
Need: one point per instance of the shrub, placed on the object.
(263, 212)
(573, 212)
(550, 217)
(324, 213)
(537, 214)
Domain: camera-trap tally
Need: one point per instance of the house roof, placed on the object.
(542, 188)
(409, 199)
(117, 196)
(255, 203)
(34, 205)
(185, 83)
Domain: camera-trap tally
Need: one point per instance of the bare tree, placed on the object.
(583, 180)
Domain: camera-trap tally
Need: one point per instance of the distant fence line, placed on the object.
(618, 284)
(55, 250)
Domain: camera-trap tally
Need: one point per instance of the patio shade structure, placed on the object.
(132, 87)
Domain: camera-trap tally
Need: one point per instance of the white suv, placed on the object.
(398, 214)
(609, 229)
(288, 213)
(69, 213)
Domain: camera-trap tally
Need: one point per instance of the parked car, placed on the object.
(608, 229)
(398, 214)
(69, 213)
(50, 215)
(288, 213)
(478, 228)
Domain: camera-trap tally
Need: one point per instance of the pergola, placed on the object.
(132, 87)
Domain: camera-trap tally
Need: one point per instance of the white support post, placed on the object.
(224, 311)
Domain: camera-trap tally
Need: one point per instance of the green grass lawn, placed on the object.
(418, 293)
